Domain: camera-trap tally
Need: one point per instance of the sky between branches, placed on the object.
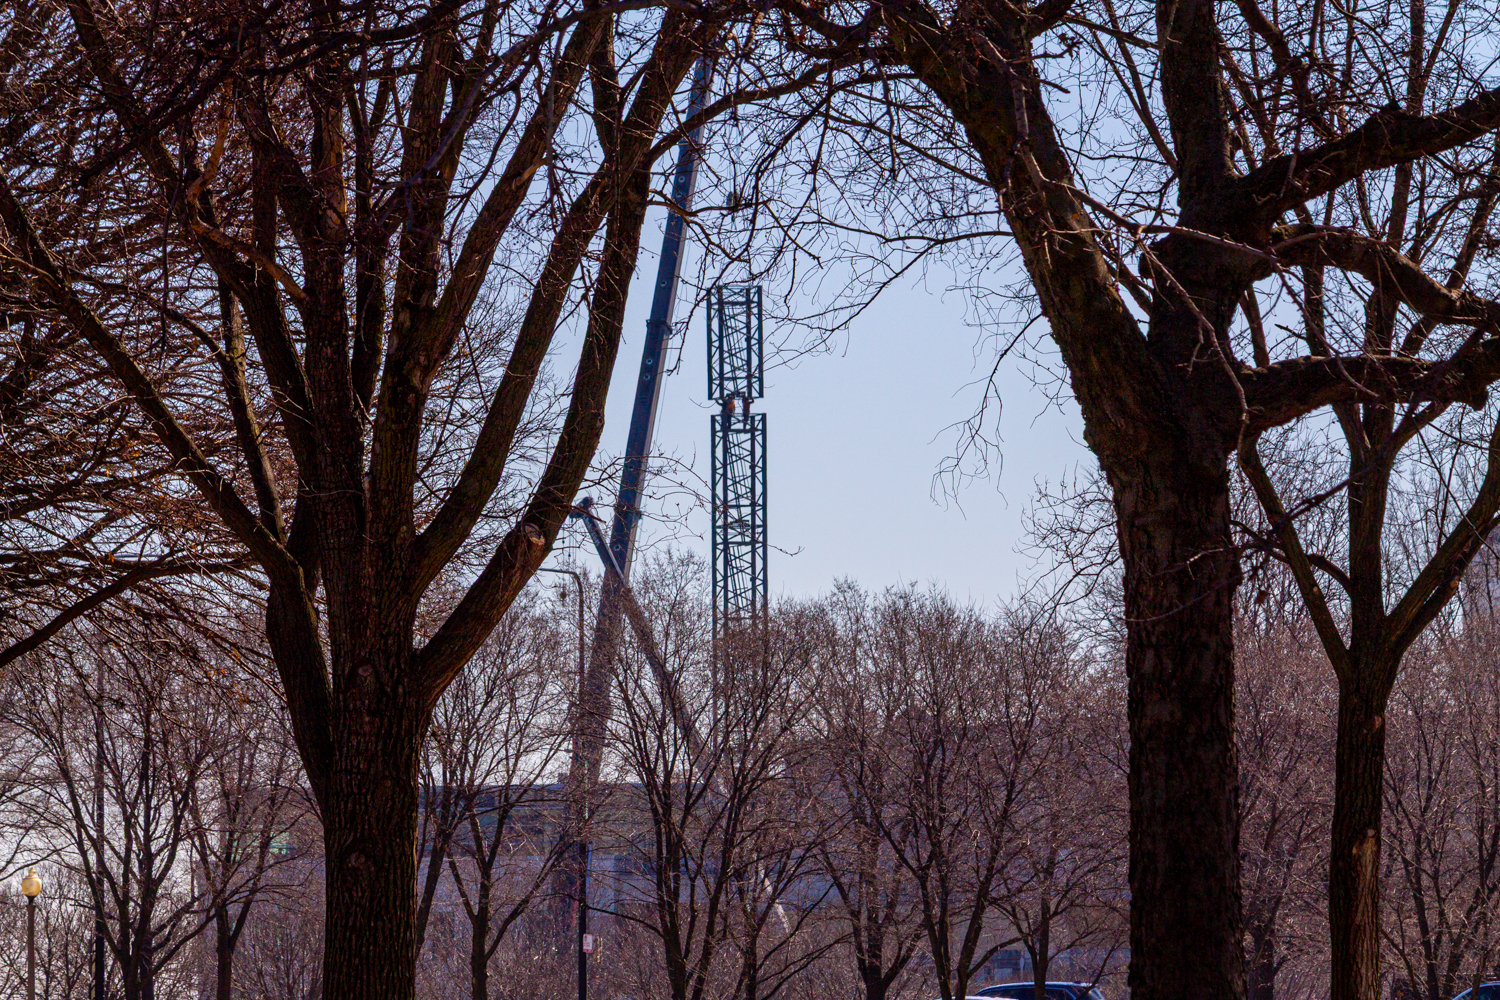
(857, 439)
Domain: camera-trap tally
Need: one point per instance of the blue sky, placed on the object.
(855, 437)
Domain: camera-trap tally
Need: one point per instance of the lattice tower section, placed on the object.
(736, 376)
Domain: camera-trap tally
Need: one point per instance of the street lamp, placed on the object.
(31, 888)
(585, 939)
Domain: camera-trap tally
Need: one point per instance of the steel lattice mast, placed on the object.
(736, 376)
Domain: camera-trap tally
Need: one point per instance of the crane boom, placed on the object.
(593, 707)
(658, 339)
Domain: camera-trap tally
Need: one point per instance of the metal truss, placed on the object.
(736, 375)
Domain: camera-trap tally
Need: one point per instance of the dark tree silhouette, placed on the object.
(1267, 129)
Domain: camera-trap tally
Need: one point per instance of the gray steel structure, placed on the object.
(736, 375)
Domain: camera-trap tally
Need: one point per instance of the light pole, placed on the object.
(583, 846)
(31, 888)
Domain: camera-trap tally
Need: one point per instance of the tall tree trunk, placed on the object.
(752, 970)
(1042, 953)
(479, 965)
(1263, 966)
(1180, 578)
(1354, 861)
(223, 956)
(137, 973)
(370, 833)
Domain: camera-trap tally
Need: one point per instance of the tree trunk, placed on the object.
(370, 833)
(1180, 577)
(1263, 966)
(869, 958)
(223, 957)
(136, 972)
(1042, 953)
(1354, 861)
(752, 971)
(479, 965)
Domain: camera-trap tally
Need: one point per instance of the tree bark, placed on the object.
(1263, 968)
(479, 956)
(1041, 956)
(1354, 861)
(223, 957)
(370, 833)
(1180, 577)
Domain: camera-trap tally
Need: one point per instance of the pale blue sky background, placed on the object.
(854, 438)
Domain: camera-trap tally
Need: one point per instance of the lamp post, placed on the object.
(583, 847)
(31, 888)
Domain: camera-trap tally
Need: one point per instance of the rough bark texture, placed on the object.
(1263, 967)
(223, 963)
(479, 955)
(1184, 844)
(370, 843)
(1354, 852)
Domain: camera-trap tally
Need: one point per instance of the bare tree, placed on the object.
(776, 894)
(150, 757)
(961, 750)
(245, 808)
(1385, 590)
(281, 956)
(1283, 699)
(1220, 147)
(497, 735)
(340, 184)
(1442, 801)
(1062, 896)
(851, 779)
(703, 804)
(63, 923)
